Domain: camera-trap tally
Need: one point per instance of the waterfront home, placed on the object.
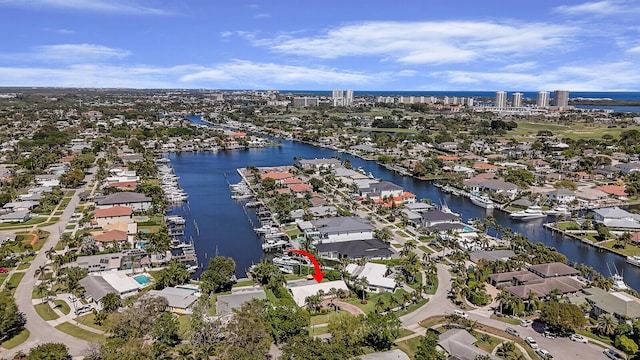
(135, 201)
(614, 217)
(372, 249)
(113, 261)
(562, 195)
(278, 176)
(111, 237)
(110, 282)
(432, 218)
(554, 269)
(112, 215)
(615, 191)
(497, 186)
(124, 185)
(621, 305)
(323, 211)
(494, 255)
(540, 279)
(375, 274)
(319, 164)
(338, 229)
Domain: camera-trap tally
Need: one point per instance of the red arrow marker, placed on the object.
(318, 275)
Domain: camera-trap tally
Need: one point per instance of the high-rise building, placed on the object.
(516, 99)
(561, 98)
(348, 100)
(305, 101)
(543, 99)
(501, 99)
(338, 97)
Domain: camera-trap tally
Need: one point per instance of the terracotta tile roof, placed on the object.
(301, 188)
(276, 175)
(125, 185)
(448, 158)
(613, 190)
(112, 211)
(290, 181)
(485, 166)
(113, 235)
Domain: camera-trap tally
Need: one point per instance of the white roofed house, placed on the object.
(317, 164)
(614, 217)
(375, 274)
(562, 196)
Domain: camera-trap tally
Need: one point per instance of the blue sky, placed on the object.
(361, 45)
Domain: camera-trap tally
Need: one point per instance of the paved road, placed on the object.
(40, 330)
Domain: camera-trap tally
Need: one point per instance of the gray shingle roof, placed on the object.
(337, 225)
(122, 198)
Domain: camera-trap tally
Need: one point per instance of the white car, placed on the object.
(579, 338)
(531, 342)
(526, 323)
(543, 354)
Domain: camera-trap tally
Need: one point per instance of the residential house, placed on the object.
(628, 167)
(621, 305)
(614, 217)
(323, 211)
(180, 299)
(562, 195)
(435, 217)
(112, 215)
(225, 304)
(339, 229)
(135, 201)
(278, 176)
(318, 164)
(375, 274)
(300, 292)
(458, 344)
(372, 249)
(17, 216)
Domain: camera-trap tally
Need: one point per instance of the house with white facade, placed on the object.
(135, 201)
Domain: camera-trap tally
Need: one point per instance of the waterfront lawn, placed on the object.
(46, 312)
(568, 225)
(292, 231)
(18, 339)
(80, 333)
(244, 283)
(629, 250)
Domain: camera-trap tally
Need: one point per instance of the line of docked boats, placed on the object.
(240, 191)
(634, 260)
(169, 182)
(534, 212)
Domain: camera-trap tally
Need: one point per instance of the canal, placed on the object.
(219, 225)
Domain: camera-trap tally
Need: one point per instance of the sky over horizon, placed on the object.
(411, 45)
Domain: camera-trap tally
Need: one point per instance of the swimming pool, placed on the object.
(141, 279)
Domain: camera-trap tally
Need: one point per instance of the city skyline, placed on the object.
(414, 46)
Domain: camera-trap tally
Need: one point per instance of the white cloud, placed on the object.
(271, 75)
(77, 53)
(596, 8)
(528, 65)
(262, 16)
(634, 50)
(106, 6)
(424, 42)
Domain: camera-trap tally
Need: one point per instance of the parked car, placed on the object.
(543, 354)
(461, 313)
(578, 338)
(526, 323)
(3, 270)
(548, 335)
(611, 354)
(531, 342)
(512, 331)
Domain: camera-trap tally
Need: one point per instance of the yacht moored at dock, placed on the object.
(531, 213)
(482, 201)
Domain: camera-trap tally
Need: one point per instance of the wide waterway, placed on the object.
(224, 227)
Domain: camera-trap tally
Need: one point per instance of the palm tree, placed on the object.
(408, 247)
(185, 353)
(380, 304)
(363, 283)
(313, 302)
(504, 298)
(607, 324)
(42, 289)
(40, 272)
(49, 253)
(507, 350)
(406, 298)
(393, 302)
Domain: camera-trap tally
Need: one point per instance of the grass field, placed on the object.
(574, 131)
(80, 333)
(629, 250)
(14, 280)
(23, 266)
(21, 337)
(324, 318)
(62, 306)
(389, 130)
(89, 320)
(45, 311)
(410, 346)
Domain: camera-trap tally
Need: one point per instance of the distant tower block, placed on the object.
(338, 97)
(543, 99)
(516, 100)
(348, 100)
(561, 98)
(501, 99)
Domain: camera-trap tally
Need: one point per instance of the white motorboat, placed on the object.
(482, 201)
(633, 260)
(560, 210)
(618, 283)
(445, 209)
(531, 213)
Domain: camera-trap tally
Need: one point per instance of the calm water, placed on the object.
(225, 228)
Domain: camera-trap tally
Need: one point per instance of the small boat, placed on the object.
(531, 213)
(445, 209)
(634, 260)
(618, 283)
(558, 211)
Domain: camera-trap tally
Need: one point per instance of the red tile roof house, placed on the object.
(301, 188)
(111, 236)
(614, 190)
(112, 215)
(278, 176)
